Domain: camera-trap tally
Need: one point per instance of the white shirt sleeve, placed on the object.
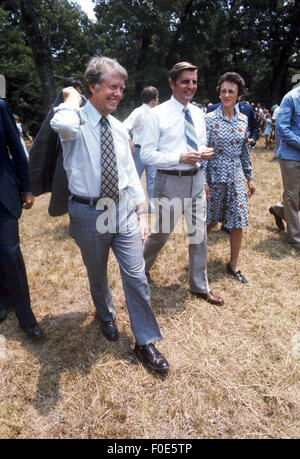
(150, 152)
(130, 121)
(66, 122)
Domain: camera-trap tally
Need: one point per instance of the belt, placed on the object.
(137, 145)
(84, 200)
(177, 172)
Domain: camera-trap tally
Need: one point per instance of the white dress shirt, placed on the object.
(80, 135)
(136, 123)
(164, 138)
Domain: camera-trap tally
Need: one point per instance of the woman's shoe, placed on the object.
(238, 275)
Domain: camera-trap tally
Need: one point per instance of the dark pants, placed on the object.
(13, 280)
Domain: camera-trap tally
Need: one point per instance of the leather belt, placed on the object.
(177, 172)
(137, 145)
(84, 200)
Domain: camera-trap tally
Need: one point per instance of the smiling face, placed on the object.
(229, 93)
(107, 94)
(185, 86)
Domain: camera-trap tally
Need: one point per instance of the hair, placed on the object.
(72, 81)
(98, 67)
(233, 77)
(149, 93)
(180, 67)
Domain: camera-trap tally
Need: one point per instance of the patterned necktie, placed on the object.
(109, 177)
(190, 133)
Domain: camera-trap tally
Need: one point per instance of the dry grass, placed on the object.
(234, 370)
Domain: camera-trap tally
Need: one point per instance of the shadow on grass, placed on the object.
(168, 300)
(216, 236)
(60, 233)
(216, 270)
(69, 346)
(277, 248)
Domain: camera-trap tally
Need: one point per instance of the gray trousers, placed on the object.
(290, 171)
(128, 250)
(173, 196)
(289, 208)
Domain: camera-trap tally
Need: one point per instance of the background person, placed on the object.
(14, 194)
(288, 130)
(20, 129)
(227, 133)
(268, 130)
(135, 124)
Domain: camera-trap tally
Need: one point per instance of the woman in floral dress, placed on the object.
(227, 133)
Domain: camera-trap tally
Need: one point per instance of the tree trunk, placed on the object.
(40, 50)
(174, 45)
(140, 65)
(281, 65)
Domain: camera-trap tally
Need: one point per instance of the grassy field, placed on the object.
(234, 370)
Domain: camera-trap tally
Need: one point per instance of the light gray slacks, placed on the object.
(128, 250)
(174, 196)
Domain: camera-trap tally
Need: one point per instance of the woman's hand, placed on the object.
(251, 188)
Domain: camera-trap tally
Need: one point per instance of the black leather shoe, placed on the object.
(238, 275)
(3, 314)
(151, 357)
(33, 331)
(278, 220)
(210, 297)
(110, 330)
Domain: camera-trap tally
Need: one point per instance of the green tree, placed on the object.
(23, 89)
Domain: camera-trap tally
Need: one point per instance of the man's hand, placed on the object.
(71, 97)
(143, 221)
(251, 142)
(206, 189)
(251, 188)
(191, 157)
(132, 147)
(207, 153)
(27, 200)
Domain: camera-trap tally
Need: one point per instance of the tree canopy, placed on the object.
(43, 42)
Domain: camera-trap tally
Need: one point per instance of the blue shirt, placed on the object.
(288, 126)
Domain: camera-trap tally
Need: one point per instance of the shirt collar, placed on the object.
(93, 114)
(178, 106)
(146, 107)
(224, 117)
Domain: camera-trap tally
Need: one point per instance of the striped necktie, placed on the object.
(109, 177)
(191, 136)
(190, 131)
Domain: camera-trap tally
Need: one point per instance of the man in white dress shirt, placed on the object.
(106, 202)
(135, 124)
(174, 142)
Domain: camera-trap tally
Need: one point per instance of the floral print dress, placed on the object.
(226, 171)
